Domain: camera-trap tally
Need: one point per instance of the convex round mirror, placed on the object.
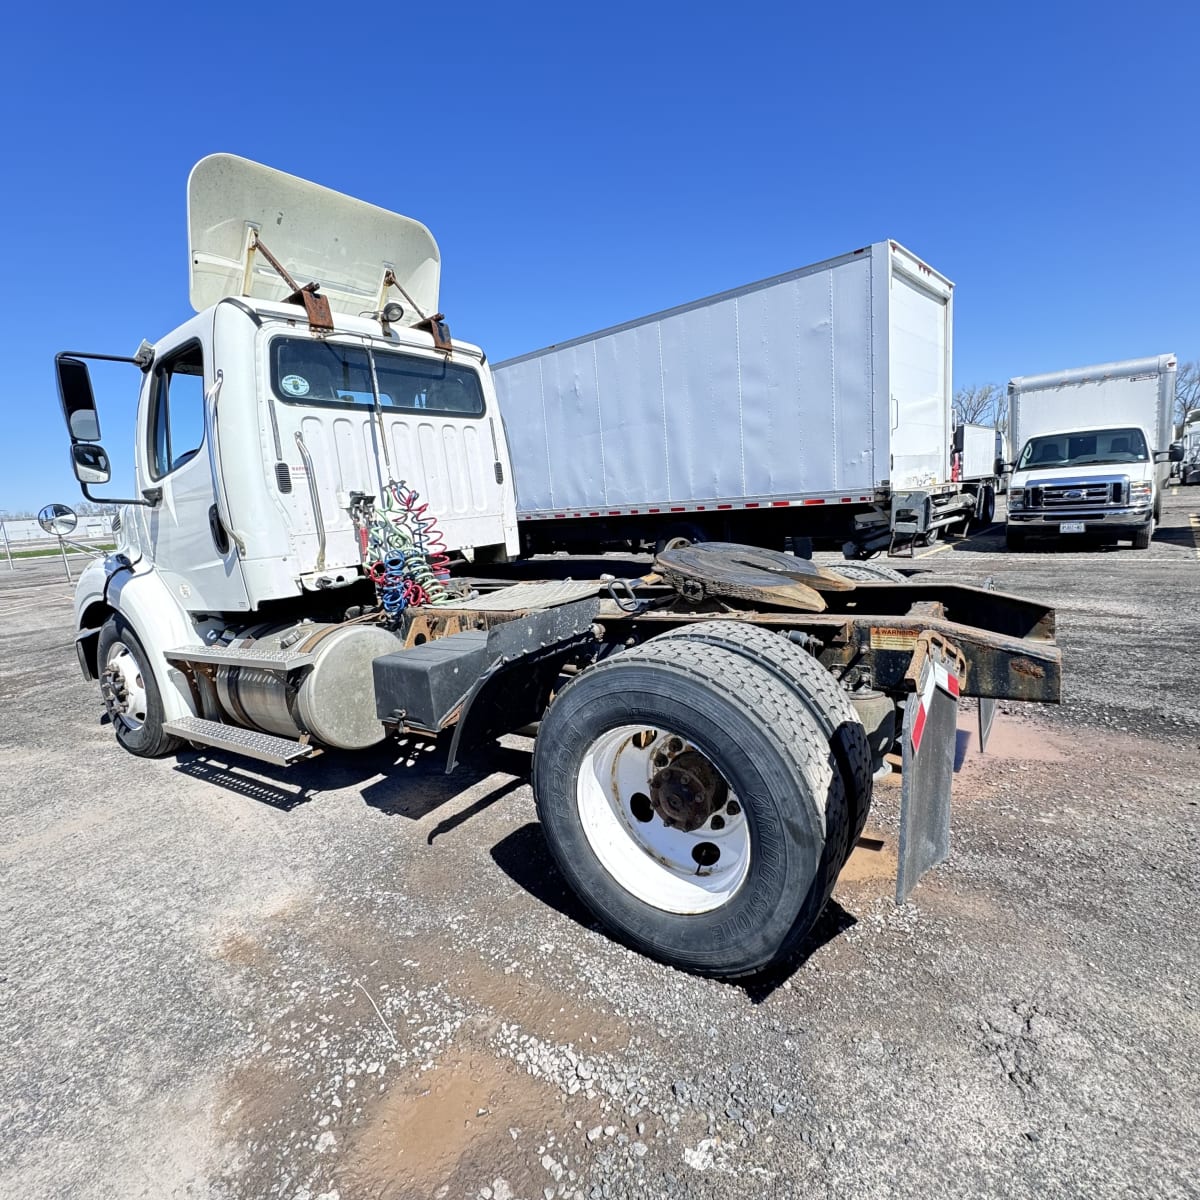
(58, 519)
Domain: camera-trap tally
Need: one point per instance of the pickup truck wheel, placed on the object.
(817, 691)
(1015, 539)
(130, 692)
(693, 804)
(1142, 536)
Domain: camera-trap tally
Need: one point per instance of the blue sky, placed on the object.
(581, 165)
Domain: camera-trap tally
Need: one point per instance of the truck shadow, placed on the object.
(1181, 535)
(404, 779)
(525, 858)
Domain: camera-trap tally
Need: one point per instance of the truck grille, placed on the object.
(1071, 495)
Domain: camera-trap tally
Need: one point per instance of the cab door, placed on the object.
(178, 464)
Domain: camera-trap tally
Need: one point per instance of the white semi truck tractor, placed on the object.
(309, 559)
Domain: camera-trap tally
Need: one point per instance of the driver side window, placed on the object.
(177, 410)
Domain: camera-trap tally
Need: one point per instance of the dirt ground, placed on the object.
(360, 978)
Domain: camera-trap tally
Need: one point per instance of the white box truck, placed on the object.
(1189, 468)
(1093, 446)
(812, 404)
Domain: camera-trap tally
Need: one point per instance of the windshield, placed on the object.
(306, 371)
(1084, 448)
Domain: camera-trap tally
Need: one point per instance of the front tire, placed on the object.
(1015, 539)
(1142, 536)
(130, 692)
(693, 804)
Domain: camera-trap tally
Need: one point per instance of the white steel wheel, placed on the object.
(124, 687)
(130, 692)
(660, 817)
(682, 733)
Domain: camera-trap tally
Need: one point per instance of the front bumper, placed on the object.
(1093, 518)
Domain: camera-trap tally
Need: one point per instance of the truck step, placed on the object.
(249, 657)
(248, 742)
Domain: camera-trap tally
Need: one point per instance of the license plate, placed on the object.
(1072, 527)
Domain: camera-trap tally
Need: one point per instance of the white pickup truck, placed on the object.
(1094, 450)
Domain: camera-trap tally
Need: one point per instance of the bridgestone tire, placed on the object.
(775, 760)
(865, 572)
(149, 740)
(1014, 539)
(817, 691)
(1142, 535)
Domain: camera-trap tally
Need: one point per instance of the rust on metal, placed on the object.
(1025, 666)
(316, 306)
(722, 571)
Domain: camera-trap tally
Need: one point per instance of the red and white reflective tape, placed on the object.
(936, 676)
(713, 506)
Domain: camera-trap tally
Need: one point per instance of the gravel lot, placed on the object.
(358, 978)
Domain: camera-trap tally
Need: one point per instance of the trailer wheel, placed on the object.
(675, 537)
(130, 692)
(816, 690)
(692, 804)
(987, 505)
(866, 572)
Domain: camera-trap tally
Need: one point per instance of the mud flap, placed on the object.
(929, 740)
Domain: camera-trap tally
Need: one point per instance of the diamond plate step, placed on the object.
(523, 597)
(228, 656)
(263, 746)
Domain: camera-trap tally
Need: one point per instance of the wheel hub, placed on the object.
(123, 688)
(687, 791)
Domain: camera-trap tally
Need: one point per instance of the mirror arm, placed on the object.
(151, 496)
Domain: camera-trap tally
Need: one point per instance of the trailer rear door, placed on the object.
(919, 372)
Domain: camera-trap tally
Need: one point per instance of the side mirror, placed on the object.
(90, 462)
(78, 400)
(999, 467)
(1176, 452)
(57, 520)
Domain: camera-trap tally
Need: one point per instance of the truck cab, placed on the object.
(271, 425)
(1086, 481)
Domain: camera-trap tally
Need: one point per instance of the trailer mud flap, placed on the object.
(929, 739)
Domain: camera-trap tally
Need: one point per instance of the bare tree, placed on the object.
(1187, 391)
(981, 404)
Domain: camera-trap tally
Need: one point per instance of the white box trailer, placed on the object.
(974, 466)
(814, 403)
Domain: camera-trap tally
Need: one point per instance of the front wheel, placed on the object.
(130, 692)
(693, 805)
(1015, 539)
(1142, 536)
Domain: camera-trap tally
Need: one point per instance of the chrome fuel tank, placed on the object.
(331, 698)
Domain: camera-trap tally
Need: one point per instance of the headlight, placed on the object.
(1140, 492)
(1016, 497)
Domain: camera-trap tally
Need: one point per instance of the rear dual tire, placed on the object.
(785, 793)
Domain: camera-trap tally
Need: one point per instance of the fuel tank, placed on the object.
(332, 698)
